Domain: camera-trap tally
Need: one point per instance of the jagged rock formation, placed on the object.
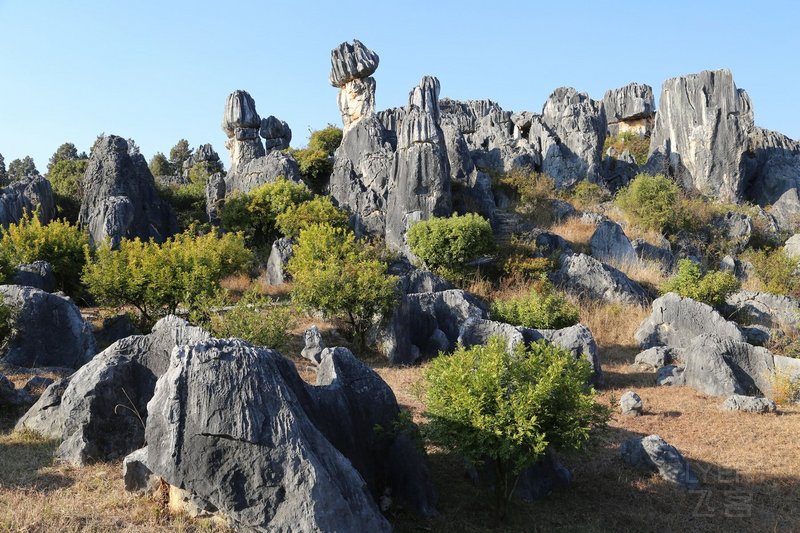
(420, 188)
(241, 124)
(774, 178)
(120, 198)
(98, 413)
(206, 156)
(610, 244)
(352, 66)
(12, 397)
(765, 309)
(279, 256)
(630, 108)
(48, 330)
(748, 404)
(587, 277)
(29, 194)
(237, 428)
(276, 133)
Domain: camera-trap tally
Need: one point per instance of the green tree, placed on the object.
(60, 243)
(319, 210)
(446, 244)
(66, 178)
(3, 175)
(160, 165)
(65, 152)
(651, 202)
(158, 279)
(178, 154)
(506, 408)
(21, 168)
(346, 278)
(316, 160)
(711, 288)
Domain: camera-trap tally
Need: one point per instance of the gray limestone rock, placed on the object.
(749, 404)
(314, 345)
(762, 308)
(675, 321)
(648, 252)
(701, 134)
(135, 474)
(276, 133)
(652, 453)
(48, 330)
(120, 198)
(654, 358)
(207, 157)
(723, 366)
(215, 196)
(610, 244)
(630, 404)
(670, 375)
(99, 412)
(792, 246)
(276, 263)
(414, 280)
(585, 276)
(36, 385)
(38, 274)
(630, 108)
(774, 176)
(10, 396)
(352, 61)
(240, 113)
(28, 194)
(248, 175)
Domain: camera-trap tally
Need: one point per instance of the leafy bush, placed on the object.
(316, 160)
(188, 200)
(59, 243)
(255, 213)
(446, 244)
(320, 210)
(160, 165)
(346, 278)
(650, 201)
(508, 408)
(535, 191)
(637, 145)
(66, 178)
(586, 194)
(256, 319)
(157, 279)
(711, 288)
(776, 271)
(541, 308)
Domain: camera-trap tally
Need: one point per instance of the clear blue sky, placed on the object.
(159, 71)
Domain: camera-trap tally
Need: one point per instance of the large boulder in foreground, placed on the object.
(120, 198)
(585, 276)
(236, 427)
(675, 321)
(38, 274)
(99, 412)
(48, 330)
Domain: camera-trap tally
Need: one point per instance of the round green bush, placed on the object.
(446, 244)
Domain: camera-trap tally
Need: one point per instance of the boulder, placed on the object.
(736, 228)
(414, 280)
(630, 404)
(120, 199)
(38, 274)
(610, 244)
(585, 276)
(724, 366)
(135, 474)
(36, 385)
(648, 252)
(314, 345)
(99, 412)
(792, 246)
(630, 108)
(29, 194)
(278, 259)
(352, 61)
(652, 453)
(670, 375)
(207, 157)
(248, 175)
(276, 133)
(48, 330)
(654, 358)
(749, 404)
(10, 396)
(770, 310)
(675, 321)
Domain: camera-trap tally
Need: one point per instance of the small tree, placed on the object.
(506, 408)
(335, 273)
(3, 174)
(316, 160)
(22, 168)
(178, 154)
(319, 210)
(66, 178)
(160, 165)
(65, 152)
(446, 244)
(651, 202)
(257, 319)
(711, 288)
(541, 308)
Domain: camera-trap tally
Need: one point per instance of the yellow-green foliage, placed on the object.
(711, 288)
(320, 210)
(776, 271)
(188, 200)
(650, 201)
(255, 213)
(66, 178)
(59, 243)
(257, 319)
(637, 145)
(541, 308)
(446, 244)
(341, 276)
(157, 279)
(486, 403)
(315, 161)
(535, 191)
(586, 194)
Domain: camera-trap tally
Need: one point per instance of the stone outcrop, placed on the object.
(748, 404)
(610, 244)
(279, 256)
(99, 412)
(314, 345)
(652, 453)
(585, 276)
(10, 396)
(38, 274)
(237, 428)
(120, 198)
(352, 66)
(630, 108)
(630, 404)
(48, 330)
(207, 157)
(653, 358)
(276, 133)
(29, 194)
(774, 177)
(773, 311)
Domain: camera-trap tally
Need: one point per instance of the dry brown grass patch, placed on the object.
(575, 231)
(612, 325)
(237, 283)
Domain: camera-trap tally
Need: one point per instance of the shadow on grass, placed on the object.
(25, 458)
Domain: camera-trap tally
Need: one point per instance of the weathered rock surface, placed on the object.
(120, 198)
(276, 133)
(412, 280)
(652, 453)
(662, 255)
(585, 276)
(792, 246)
(749, 404)
(723, 366)
(38, 274)
(278, 259)
(630, 404)
(670, 375)
(675, 321)
(236, 427)
(314, 345)
(352, 61)
(207, 157)
(99, 412)
(774, 176)
(27, 195)
(135, 474)
(654, 358)
(770, 310)
(610, 244)
(10, 396)
(264, 169)
(630, 108)
(48, 330)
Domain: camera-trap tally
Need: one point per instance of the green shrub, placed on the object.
(320, 210)
(776, 271)
(535, 191)
(255, 213)
(59, 243)
(343, 277)
(256, 319)
(446, 244)
(637, 145)
(650, 201)
(158, 279)
(316, 160)
(188, 200)
(586, 194)
(66, 178)
(488, 404)
(541, 308)
(711, 288)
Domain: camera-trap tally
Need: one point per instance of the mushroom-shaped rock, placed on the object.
(352, 61)
(276, 133)
(240, 113)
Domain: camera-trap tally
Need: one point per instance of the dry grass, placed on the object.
(576, 232)
(646, 273)
(237, 283)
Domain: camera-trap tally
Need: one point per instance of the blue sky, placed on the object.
(159, 71)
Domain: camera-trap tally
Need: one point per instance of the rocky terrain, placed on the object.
(177, 427)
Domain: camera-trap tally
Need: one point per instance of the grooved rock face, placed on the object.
(28, 194)
(631, 102)
(356, 100)
(350, 62)
(240, 113)
(276, 133)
